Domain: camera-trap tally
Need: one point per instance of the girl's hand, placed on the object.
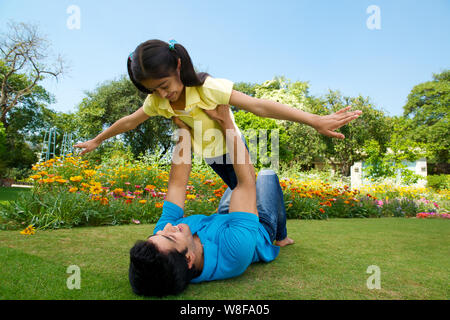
(221, 114)
(88, 146)
(327, 124)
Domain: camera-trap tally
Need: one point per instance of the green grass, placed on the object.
(328, 261)
(8, 194)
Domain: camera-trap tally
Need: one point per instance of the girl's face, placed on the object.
(169, 87)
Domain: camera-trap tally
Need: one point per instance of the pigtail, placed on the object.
(188, 76)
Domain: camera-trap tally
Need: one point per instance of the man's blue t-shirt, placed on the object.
(231, 242)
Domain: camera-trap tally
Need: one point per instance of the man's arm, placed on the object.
(243, 197)
(181, 166)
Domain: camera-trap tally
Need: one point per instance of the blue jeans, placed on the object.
(269, 203)
(223, 166)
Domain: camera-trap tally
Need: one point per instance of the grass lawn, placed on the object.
(328, 261)
(8, 194)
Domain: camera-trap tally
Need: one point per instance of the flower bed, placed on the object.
(71, 192)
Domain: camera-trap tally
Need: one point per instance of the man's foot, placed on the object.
(286, 241)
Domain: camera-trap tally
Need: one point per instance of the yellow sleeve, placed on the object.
(150, 106)
(216, 91)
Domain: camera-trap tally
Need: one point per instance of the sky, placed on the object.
(379, 48)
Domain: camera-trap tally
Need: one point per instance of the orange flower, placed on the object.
(321, 210)
(117, 190)
(159, 205)
(73, 189)
(104, 201)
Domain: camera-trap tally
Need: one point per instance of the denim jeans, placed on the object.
(269, 203)
(223, 166)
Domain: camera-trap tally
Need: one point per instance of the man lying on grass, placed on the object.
(204, 248)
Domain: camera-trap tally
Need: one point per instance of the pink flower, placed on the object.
(379, 203)
(137, 186)
(436, 205)
(127, 183)
(135, 221)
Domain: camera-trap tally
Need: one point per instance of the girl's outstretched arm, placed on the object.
(272, 109)
(122, 125)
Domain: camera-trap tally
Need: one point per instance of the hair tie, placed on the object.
(130, 56)
(172, 44)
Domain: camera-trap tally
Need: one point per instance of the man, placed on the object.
(204, 248)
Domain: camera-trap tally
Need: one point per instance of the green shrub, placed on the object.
(439, 182)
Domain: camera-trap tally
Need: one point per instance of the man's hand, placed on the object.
(221, 114)
(87, 146)
(180, 123)
(327, 124)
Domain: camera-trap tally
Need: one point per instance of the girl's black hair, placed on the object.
(153, 59)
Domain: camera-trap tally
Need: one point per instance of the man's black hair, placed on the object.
(154, 273)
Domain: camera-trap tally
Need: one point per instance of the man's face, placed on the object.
(177, 237)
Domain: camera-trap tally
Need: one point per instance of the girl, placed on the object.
(165, 72)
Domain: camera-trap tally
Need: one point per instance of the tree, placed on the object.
(372, 124)
(24, 56)
(113, 100)
(428, 108)
(3, 155)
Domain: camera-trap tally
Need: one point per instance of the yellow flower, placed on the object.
(142, 201)
(73, 189)
(49, 180)
(76, 178)
(89, 173)
(191, 196)
(36, 176)
(159, 204)
(28, 230)
(61, 180)
(95, 189)
(212, 199)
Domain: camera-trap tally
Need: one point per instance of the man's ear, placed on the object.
(190, 258)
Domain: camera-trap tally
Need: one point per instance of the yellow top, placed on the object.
(207, 137)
